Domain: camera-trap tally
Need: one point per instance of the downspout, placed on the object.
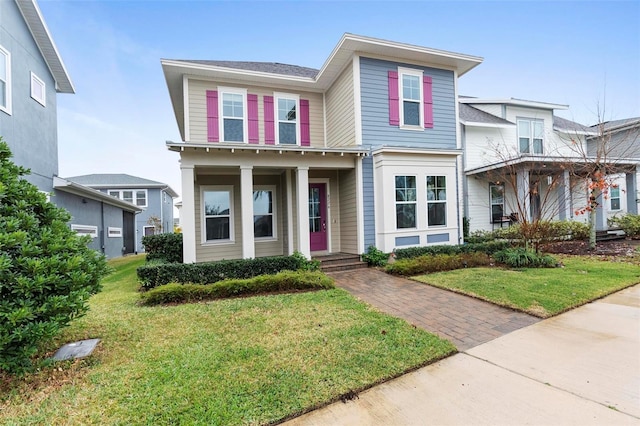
(102, 238)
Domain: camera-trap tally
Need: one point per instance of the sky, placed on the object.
(585, 54)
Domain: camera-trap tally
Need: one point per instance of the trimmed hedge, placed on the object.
(156, 275)
(546, 230)
(437, 263)
(163, 247)
(286, 281)
(489, 247)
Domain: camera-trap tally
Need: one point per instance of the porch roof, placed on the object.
(280, 149)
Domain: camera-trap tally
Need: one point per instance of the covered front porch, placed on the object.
(244, 201)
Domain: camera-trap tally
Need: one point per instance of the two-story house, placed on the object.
(277, 158)
(522, 162)
(32, 73)
(155, 199)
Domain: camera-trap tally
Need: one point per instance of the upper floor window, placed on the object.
(217, 209)
(615, 198)
(287, 129)
(133, 196)
(233, 119)
(497, 202)
(5, 80)
(405, 202)
(530, 136)
(436, 200)
(38, 92)
(411, 98)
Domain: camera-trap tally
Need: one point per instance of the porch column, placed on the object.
(246, 215)
(601, 213)
(290, 221)
(302, 174)
(564, 196)
(188, 214)
(359, 206)
(523, 200)
(633, 196)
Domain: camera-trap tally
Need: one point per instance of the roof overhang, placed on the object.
(420, 151)
(163, 187)
(84, 191)
(232, 148)
(38, 28)
(494, 125)
(550, 163)
(575, 132)
(513, 102)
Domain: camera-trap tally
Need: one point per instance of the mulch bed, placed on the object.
(604, 248)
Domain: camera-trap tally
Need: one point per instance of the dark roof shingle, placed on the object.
(266, 67)
(474, 115)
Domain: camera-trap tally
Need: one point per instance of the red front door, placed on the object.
(318, 216)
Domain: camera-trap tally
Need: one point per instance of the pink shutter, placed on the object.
(394, 100)
(213, 126)
(427, 88)
(252, 107)
(305, 134)
(269, 128)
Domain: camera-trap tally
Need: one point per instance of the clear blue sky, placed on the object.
(582, 53)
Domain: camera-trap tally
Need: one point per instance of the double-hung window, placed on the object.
(411, 98)
(233, 119)
(436, 200)
(264, 214)
(133, 196)
(217, 212)
(287, 127)
(497, 202)
(615, 198)
(5, 80)
(405, 202)
(530, 136)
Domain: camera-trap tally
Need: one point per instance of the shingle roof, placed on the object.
(563, 124)
(618, 123)
(266, 67)
(474, 115)
(115, 179)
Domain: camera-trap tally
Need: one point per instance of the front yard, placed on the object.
(253, 360)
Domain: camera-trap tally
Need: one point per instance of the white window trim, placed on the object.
(289, 96)
(37, 80)
(491, 203)
(203, 221)
(531, 132)
(419, 74)
(7, 108)
(415, 203)
(245, 118)
(90, 230)
(446, 191)
(611, 197)
(120, 197)
(274, 213)
(144, 229)
(114, 232)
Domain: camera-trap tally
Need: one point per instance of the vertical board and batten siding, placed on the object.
(376, 129)
(340, 110)
(348, 212)
(198, 111)
(369, 208)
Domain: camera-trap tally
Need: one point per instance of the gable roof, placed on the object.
(38, 28)
(470, 116)
(119, 180)
(567, 126)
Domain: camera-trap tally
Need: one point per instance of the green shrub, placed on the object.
(375, 257)
(152, 276)
(629, 223)
(47, 272)
(304, 264)
(286, 281)
(437, 263)
(488, 247)
(540, 231)
(163, 247)
(522, 258)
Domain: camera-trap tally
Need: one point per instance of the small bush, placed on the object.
(523, 258)
(375, 257)
(163, 247)
(282, 282)
(629, 223)
(304, 264)
(438, 263)
(488, 247)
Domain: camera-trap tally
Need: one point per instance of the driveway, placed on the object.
(579, 368)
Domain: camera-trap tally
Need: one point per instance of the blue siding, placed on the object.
(376, 129)
(437, 238)
(31, 128)
(368, 203)
(407, 241)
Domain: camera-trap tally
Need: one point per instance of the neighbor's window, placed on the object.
(405, 202)
(615, 198)
(218, 211)
(436, 200)
(89, 230)
(233, 115)
(133, 196)
(5, 80)
(38, 89)
(287, 118)
(411, 107)
(497, 202)
(263, 213)
(530, 136)
(113, 232)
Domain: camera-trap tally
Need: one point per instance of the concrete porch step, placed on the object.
(610, 235)
(340, 262)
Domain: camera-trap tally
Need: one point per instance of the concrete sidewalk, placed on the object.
(580, 368)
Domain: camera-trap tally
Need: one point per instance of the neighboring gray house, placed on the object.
(154, 198)
(31, 75)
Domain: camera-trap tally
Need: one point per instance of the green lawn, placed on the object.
(241, 361)
(540, 292)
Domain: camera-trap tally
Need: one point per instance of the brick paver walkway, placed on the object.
(465, 321)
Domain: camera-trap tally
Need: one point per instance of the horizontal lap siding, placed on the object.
(376, 129)
(369, 202)
(348, 212)
(272, 247)
(341, 110)
(198, 110)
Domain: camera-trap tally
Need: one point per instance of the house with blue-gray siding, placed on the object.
(278, 158)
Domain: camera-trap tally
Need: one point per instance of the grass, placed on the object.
(239, 361)
(540, 292)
